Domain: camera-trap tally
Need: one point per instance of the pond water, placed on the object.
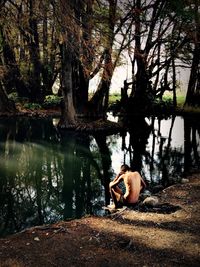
(48, 175)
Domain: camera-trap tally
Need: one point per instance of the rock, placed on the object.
(145, 194)
(184, 180)
(151, 201)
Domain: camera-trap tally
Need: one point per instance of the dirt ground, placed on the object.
(124, 238)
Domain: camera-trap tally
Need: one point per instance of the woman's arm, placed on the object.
(116, 181)
(118, 175)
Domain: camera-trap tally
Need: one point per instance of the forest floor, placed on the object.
(125, 238)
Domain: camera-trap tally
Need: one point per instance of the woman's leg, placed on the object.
(118, 190)
(116, 197)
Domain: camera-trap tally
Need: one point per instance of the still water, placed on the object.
(48, 175)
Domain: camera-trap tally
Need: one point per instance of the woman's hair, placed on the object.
(125, 168)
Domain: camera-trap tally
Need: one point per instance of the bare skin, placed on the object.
(133, 183)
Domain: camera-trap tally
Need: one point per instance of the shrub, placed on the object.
(52, 101)
(32, 106)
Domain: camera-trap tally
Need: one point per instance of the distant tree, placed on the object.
(31, 53)
(90, 51)
(193, 91)
(101, 96)
(12, 78)
(157, 39)
(6, 105)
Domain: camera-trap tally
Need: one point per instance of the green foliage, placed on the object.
(51, 101)
(182, 10)
(114, 97)
(180, 99)
(14, 97)
(32, 106)
(48, 69)
(162, 106)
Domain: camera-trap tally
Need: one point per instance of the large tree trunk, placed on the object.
(83, 12)
(80, 86)
(99, 101)
(35, 80)
(68, 116)
(67, 55)
(49, 50)
(140, 79)
(143, 61)
(193, 91)
(45, 63)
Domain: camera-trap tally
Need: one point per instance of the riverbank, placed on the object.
(125, 238)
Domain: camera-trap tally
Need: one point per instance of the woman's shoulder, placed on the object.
(135, 174)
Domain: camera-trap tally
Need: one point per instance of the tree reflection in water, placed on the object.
(150, 150)
(191, 143)
(46, 175)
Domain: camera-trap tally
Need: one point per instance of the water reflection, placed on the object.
(47, 175)
(163, 150)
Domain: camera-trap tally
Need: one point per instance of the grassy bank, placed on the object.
(180, 105)
(167, 102)
(53, 101)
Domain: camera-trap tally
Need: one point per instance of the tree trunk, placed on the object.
(68, 116)
(35, 81)
(5, 104)
(174, 82)
(140, 79)
(83, 12)
(45, 63)
(193, 92)
(49, 50)
(99, 101)
(12, 78)
(80, 86)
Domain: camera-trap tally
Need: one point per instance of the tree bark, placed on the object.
(193, 91)
(35, 80)
(99, 101)
(5, 104)
(193, 94)
(68, 116)
(82, 67)
(12, 78)
(49, 68)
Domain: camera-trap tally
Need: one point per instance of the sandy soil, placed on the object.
(124, 238)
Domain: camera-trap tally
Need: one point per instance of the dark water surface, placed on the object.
(47, 175)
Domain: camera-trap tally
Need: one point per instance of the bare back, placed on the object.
(133, 183)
